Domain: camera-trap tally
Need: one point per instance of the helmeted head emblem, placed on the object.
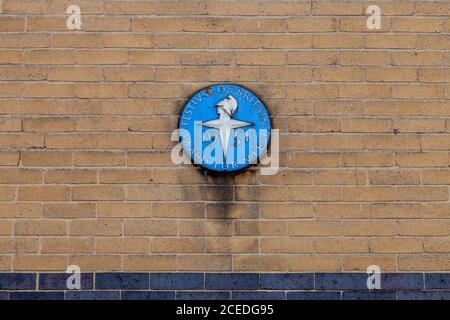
(224, 128)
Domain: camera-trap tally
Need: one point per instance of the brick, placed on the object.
(6, 228)
(20, 210)
(141, 227)
(309, 57)
(416, 25)
(369, 227)
(49, 125)
(276, 8)
(423, 262)
(364, 91)
(394, 177)
(20, 176)
(338, 74)
(260, 58)
(286, 210)
(341, 245)
(312, 24)
(312, 160)
(96, 262)
(260, 263)
(341, 211)
(338, 41)
(176, 210)
(122, 245)
(71, 141)
(40, 228)
(391, 74)
(94, 227)
(99, 159)
(178, 245)
(68, 210)
(205, 228)
(26, 7)
(360, 262)
(286, 245)
(128, 73)
(334, 8)
(420, 58)
(70, 245)
(22, 73)
(152, 192)
(396, 245)
(46, 159)
(10, 125)
(423, 193)
(387, 142)
(7, 193)
(434, 75)
(232, 8)
(119, 176)
(426, 8)
(429, 41)
(86, 193)
(71, 176)
(17, 141)
(11, 56)
(44, 193)
(74, 74)
(435, 176)
(149, 263)
(423, 228)
(308, 263)
(314, 228)
(394, 41)
(154, 57)
(231, 245)
(12, 24)
(120, 210)
(359, 58)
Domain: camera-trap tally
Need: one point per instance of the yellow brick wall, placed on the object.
(86, 116)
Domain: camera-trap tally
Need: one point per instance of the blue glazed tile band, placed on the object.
(224, 286)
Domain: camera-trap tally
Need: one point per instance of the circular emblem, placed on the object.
(224, 128)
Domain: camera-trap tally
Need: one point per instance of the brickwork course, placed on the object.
(86, 116)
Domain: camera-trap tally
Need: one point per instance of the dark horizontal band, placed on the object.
(224, 286)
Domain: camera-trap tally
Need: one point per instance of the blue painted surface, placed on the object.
(225, 286)
(122, 281)
(93, 295)
(368, 295)
(178, 281)
(148, 295)
(423, 295)
(17, 281)
(58, 281)
(294, 281)
(205, 106)
(313, 295)
(231, 281)
(4, 295)
(210, 295)
(347, 281)
(258, 295)
(37, 295)
(437, 281)
(392, 281)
